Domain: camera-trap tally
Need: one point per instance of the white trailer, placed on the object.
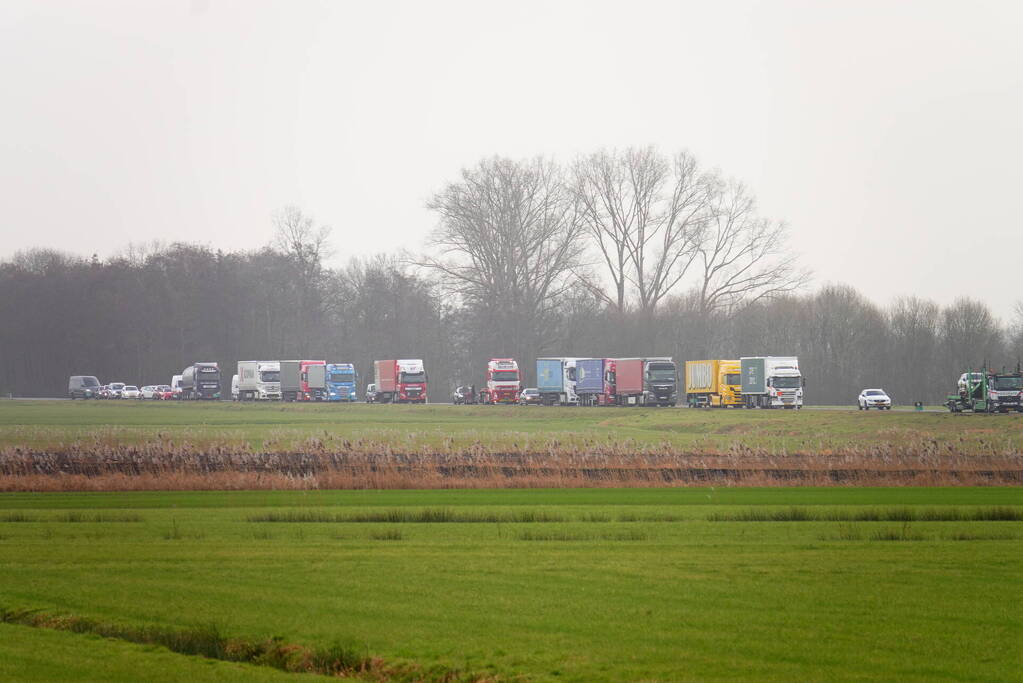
(259, 380)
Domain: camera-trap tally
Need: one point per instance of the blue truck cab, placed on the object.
(341, 379)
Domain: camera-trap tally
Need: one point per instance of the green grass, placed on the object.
(573, 585)
(276, 426)
(31, 654)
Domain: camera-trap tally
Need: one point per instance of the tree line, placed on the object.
(620, 253)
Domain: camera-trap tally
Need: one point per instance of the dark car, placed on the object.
(530, 396)
(463, 396)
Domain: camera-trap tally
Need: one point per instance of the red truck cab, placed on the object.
(503, 382)
(400, 381)
(316, 389)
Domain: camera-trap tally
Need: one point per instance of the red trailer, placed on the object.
(400, 381)
(629, 380)
(646, 381)
(385, 374)
(313, 380)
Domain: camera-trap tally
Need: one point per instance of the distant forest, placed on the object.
(619, 254)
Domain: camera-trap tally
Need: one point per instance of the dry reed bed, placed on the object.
(164, 465)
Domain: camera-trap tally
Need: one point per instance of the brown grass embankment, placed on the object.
(365, 464)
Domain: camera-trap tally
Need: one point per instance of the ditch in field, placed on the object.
(343, 660)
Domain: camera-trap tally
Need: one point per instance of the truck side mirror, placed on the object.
(803, 381)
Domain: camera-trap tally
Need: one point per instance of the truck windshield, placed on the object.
(270, 376)
(413, 377)
(90, 382)
(1008, 383)
(733, 378)
(786, 382)
(505, 375)
(661, 372)
(342, 377)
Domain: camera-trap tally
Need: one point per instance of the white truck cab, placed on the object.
(259, 380)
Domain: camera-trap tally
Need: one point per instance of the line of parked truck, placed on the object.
(751, 382)
(747, 382)
(285, 380)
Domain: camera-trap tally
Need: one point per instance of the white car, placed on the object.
(969, 380)
(874, 398)
(115, 389)
(150, 392)
(131, 391)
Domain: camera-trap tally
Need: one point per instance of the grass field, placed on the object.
(285, 426)
(639, 584)
(525, 562)
(121, 445)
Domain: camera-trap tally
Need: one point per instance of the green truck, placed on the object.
(987, 392)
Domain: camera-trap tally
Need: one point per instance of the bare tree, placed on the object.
(297, 235)
(913, 351)
(304, 245)
(1014, 334)
(508, 241)
(645, 213)
(743, 258)
(971, 335)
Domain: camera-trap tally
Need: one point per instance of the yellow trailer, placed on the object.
(713, 383)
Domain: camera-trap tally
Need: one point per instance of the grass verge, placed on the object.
(346, 660)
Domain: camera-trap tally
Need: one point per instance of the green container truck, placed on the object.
(771, 382)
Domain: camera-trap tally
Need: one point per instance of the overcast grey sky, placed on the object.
(886, 133)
